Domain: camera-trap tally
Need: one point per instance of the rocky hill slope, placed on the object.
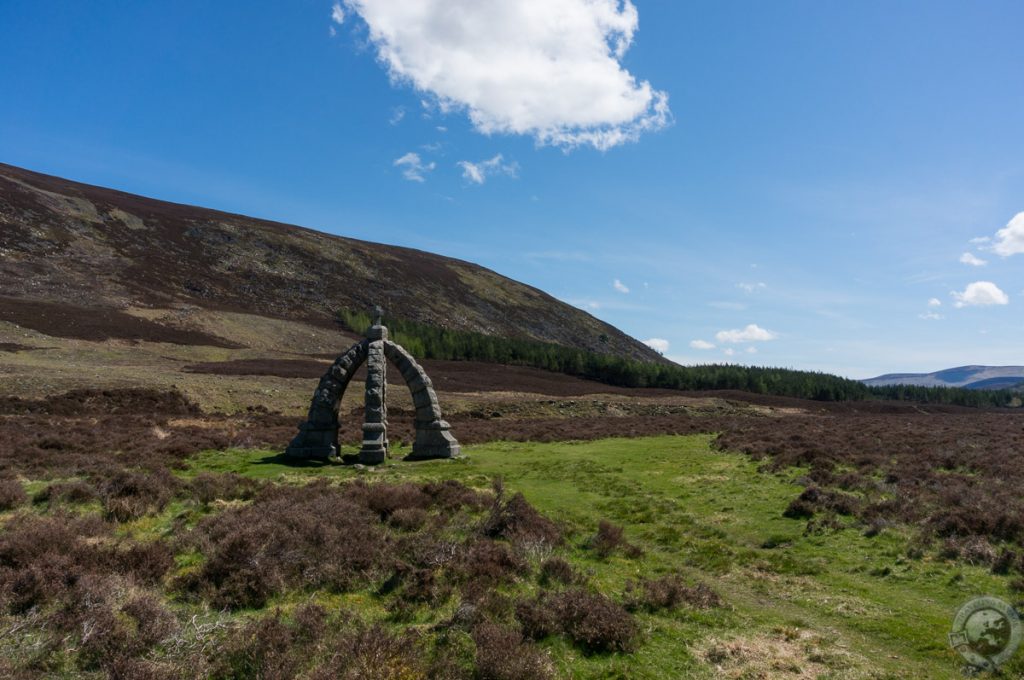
(88, 262)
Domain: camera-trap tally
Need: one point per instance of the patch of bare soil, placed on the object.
(61, 320)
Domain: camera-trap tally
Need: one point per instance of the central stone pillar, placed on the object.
(375, 425)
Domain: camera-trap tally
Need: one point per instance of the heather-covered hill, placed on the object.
(77, 260)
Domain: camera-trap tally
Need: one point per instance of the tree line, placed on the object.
(434, 342)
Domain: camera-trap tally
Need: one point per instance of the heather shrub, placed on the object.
(536, 619)
(139, 669)
(105, 638)
(128, 495)
(557, 570)
(517, 520)
(314, 536)
(451, 495)
(153, 621)
(611, 538)
(67, 492)
(310, 622)
(491, 562)
(670, 592)
(594, 622)
(385, 499)
(408, 519)
(263, 648)
(208, 487)
(12, 494)
(502, 654)
(41, 558)
(374, 653)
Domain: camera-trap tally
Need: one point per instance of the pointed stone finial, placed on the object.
(378, 315)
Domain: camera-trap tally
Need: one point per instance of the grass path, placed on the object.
(834, 604)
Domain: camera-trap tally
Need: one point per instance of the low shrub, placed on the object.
(536, 619)
(374, 653)
(611, 538)
(594, 622)
(502, 654)
(263, 648)
(491, 562)
(128, 495)
(12, 494)
(557, 570)
(315, 536)
(68, 492)
(670, 592)
(207, 487)
(408, 519)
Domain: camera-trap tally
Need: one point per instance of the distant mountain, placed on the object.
(83, 261)
(970, 377)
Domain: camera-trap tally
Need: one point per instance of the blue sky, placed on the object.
(794, 183)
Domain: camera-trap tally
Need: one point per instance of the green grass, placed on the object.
(832, 604)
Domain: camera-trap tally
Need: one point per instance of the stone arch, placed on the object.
(318, 436)
(433, 439)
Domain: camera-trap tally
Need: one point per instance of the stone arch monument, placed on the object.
(318, 436)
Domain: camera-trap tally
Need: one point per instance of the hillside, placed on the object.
(968, 377)
(93, 263)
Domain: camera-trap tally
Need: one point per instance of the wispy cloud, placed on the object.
(980, 294)
(397, 114)
(337, 13)
(413, 167)
(551, 69)
(620, 286)
(934, 302)
(973, 260)
(751, 287)
(930, 316)
(477, 173)
(701, 344)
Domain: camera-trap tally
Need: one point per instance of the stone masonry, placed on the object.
(318, 436)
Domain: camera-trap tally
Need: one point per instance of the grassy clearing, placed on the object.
(826, 602)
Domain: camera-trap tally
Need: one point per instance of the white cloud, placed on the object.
(934, 302)
(397, 114)
(1010, 239)
(973, 260)
(751, 287)
(413, 167)
(930, 316)
(332, 31)
(980, 293)
(620, 286)
(546, 68)
(659, 345)
(981, 240)
(337, 14)
(701, 344)
(728, 351)
(477, 173)
(752, 333)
